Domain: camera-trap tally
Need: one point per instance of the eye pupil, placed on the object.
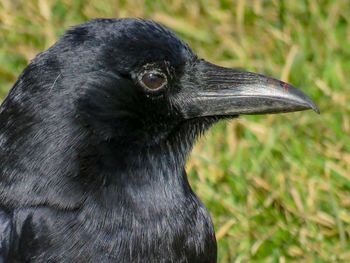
(153, 80)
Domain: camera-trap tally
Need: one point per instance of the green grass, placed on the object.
(278, 186)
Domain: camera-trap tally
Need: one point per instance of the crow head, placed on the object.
(139, 84)
(111, 92)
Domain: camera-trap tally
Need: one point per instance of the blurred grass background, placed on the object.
(278, 186)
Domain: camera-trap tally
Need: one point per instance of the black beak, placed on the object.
(218, 91)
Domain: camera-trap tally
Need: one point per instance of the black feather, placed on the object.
(91, 165)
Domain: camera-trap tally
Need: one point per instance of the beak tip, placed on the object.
(305, 100)
(314, 107)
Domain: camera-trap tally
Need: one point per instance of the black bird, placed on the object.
(94, 137)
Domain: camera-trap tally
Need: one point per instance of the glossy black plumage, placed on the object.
(92, 162)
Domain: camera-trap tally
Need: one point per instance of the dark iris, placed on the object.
(153, 80)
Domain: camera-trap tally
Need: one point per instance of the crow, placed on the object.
(94, 137)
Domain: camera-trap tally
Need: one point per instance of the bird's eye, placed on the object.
(153, 80)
